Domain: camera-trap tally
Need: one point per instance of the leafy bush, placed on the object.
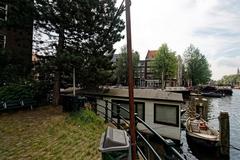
(15, 92)
(85, 117)
(35, 90)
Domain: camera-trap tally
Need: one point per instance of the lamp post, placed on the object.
(130, 80)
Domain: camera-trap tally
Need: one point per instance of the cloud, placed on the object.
(211, 25)
(230, 62)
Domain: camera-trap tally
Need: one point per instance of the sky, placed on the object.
(213, 26)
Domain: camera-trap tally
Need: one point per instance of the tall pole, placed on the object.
(130, 80)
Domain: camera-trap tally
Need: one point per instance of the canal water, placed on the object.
(230, 104)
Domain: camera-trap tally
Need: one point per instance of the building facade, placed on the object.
(140, 74)
(16, 34)
(149, 80)
(144, 76)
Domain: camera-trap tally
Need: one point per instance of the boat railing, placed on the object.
(117, 118)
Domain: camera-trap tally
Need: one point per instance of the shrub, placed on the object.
(15, 92)
(35, 90)
(85, 117)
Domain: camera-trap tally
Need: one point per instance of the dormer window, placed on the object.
(3, 11)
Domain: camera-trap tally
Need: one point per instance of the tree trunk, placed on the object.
(163, 82)
(56, 89)
(57, 76)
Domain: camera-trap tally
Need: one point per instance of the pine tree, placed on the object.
(81, 34)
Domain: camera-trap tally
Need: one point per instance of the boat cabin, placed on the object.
(159, 109)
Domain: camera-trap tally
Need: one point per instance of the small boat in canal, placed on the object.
(212, 94)
(200, 133)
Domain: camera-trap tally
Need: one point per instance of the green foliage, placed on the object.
(81, 35)
(14, 66)
(121, 70)
(165, 64)
(230, 80)
(15, 92)
(85, 117)
(35, 90)
(197, 67)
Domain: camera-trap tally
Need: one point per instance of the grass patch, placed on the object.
(47, 133)
(85, 117)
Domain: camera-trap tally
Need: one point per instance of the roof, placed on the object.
(151, 54)
(151, 94)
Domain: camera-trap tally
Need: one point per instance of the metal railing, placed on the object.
(116, 118)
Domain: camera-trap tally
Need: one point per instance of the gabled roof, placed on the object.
(151, 54)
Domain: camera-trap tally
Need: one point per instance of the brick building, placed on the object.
(16, 34)
(146, 77)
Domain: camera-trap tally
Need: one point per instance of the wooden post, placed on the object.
(106, 111)
(149, 155)
(205, 108)
(118, 116)
(130, 80)
(224, 133)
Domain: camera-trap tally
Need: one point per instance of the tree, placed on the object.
(230, 80)
(122, 66)
(81, 34)
(197, 67)
(165, 64)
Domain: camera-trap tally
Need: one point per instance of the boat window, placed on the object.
(166, 114)
(2, 41)
(139, 109)
(3, 11)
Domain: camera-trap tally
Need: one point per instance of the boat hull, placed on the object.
(193, 139)
(214, 95)
(198, 132)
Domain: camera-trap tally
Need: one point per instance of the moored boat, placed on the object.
(212, 94)
(200, 133)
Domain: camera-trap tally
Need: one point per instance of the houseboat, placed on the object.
(159, 109)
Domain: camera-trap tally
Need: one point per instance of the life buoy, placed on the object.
(202, 126)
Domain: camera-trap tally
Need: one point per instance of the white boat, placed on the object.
(198, 130)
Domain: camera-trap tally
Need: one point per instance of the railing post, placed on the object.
(118, 116)
(136, 120)
(106, 111)
(169, 145)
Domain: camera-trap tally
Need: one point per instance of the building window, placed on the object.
(139, 109)
(2, 41)
(166, 114)
(3, 11)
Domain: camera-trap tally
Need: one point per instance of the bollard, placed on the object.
(224, 133)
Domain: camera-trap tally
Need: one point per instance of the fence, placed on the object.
(170, 151)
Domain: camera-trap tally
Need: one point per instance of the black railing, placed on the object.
(171, 152)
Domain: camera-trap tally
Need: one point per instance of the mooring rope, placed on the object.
(212, 118)
(236, 148)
